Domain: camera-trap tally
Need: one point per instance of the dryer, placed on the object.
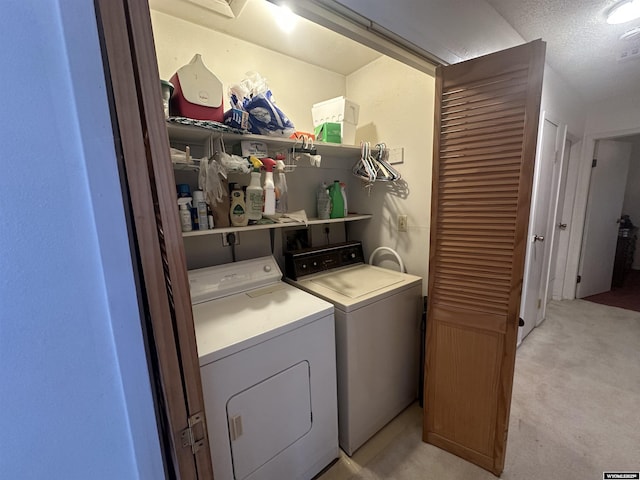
(267, 362)
(378, 314)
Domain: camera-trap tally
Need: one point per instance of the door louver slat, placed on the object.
(487, 111)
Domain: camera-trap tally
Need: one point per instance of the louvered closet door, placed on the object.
(484, 148)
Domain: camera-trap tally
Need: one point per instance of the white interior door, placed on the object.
(554, 222)
(531, 304)
(604, 207)
(560, 243)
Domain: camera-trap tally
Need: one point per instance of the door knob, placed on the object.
(538, 238)
(562, 226)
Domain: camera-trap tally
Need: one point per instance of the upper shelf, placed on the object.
(199, 135)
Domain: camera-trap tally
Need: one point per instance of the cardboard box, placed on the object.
(329, 132)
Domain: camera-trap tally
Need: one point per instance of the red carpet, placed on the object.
(627, 296)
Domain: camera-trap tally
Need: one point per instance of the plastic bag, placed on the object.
(254, 97)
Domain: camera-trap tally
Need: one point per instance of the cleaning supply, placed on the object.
(201, 207)
(323, 202)
(185, 213)
(255, 195)
(269, 187)
(237, 211)
(343, 188)
(282, 205)
(337, 200)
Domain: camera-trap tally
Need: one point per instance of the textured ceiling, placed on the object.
(581, 46)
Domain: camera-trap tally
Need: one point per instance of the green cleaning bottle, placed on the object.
(337, 200)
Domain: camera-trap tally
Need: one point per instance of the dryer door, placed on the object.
(269, 417)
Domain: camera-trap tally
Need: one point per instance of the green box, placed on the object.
(328, 132)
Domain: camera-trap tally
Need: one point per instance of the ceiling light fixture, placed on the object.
(285, 18)
(624, 12)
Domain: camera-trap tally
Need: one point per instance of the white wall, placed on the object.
(75, 398)
(396, 107)
(296, 85)
(383, 90)
(631, 204)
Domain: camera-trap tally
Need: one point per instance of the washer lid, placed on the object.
(357, 281)
(352, 288)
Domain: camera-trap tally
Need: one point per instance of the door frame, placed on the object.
(579, 214)
(148, 184)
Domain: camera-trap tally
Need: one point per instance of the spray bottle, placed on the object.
(269, 187)
(255, 198)
(282, 204)
(185, 214)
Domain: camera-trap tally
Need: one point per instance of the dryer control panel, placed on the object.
(308, 261)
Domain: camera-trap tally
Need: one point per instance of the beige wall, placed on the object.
(296, 85)
(396, 107)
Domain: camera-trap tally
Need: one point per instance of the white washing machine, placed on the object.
(267, 361)
(378, 314)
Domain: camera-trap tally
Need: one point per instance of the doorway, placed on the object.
(608, 259)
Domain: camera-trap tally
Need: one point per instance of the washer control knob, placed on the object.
(267, 268)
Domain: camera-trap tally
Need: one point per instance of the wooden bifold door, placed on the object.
(487, 113)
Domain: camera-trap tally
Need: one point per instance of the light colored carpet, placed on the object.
(575, 408)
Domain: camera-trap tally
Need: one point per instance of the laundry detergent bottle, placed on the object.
(255, 196)
(269, 187)
(337, 200)
(237, 212)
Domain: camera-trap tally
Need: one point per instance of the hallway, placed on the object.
(574, 410)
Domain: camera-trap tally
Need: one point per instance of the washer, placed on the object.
(267, 362)
(378, 315)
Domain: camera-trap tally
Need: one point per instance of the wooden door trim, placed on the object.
(141, 138)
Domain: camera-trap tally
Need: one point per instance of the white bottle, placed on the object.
(254, 197)
(185, 214)
(323, 202)
(237, 211)
(201, 208)
(282, 204)
(269, 187)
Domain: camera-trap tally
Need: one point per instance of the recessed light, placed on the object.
(624, 12)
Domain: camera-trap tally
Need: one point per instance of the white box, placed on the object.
(337, 109)
(348, 133)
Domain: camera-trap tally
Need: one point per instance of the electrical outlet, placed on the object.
(402, 223)
(226, 240)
